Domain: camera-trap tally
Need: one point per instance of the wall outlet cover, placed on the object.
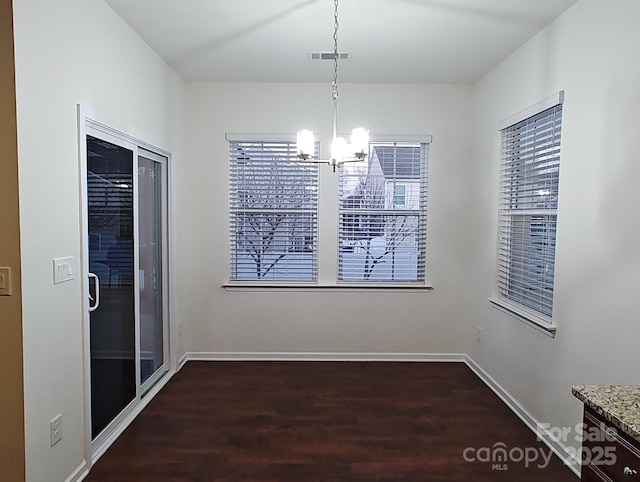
(55, 430)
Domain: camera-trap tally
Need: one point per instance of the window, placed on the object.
(528, 212)
(399, 194)
(382, 215)
(273, 201)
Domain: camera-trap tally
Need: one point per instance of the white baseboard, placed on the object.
(558, 448)
(321, 356)
(183, 359)
(80, 473)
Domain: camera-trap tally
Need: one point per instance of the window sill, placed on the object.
(536, 322)
(337, 288)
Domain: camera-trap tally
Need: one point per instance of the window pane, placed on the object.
(273, 213)
(528, 202)
(530, 256)
(383, 215)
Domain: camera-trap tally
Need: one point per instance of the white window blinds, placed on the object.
(528, 211)
(273, 202)
(382, 215)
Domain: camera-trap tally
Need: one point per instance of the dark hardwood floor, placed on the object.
(324, 421)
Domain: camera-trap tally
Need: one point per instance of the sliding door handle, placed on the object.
(97, 300)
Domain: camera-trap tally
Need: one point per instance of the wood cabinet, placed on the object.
(607, 453)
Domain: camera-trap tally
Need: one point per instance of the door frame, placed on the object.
(89, 120)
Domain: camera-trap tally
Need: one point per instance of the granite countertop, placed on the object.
(619, 404)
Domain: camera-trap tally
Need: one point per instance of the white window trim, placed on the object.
(322, 287)
(540, 323)
(321, 284)
(544, 104)
(529, 318)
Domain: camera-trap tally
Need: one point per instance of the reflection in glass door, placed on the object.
(111, 264)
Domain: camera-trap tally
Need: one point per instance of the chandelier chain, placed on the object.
(339, 145)
(336, 26)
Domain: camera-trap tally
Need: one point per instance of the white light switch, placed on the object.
(62, 269)
(55, 430)
(5, 281)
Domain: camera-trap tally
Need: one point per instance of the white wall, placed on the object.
(69, 52)
(592, 53)
(219, 321)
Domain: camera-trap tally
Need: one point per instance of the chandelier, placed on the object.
(341, 150)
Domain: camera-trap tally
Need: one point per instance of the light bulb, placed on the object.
(338, 148)
(360, 140)
(305, 144)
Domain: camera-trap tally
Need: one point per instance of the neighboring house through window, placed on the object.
(382, 227)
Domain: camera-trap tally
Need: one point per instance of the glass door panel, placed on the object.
(152, 332)
(112, 320)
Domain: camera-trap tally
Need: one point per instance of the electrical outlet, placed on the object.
(55, 430)
(479, 335)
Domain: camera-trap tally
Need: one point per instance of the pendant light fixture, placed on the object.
(341, 150)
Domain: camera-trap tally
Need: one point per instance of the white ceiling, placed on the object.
(390, 41)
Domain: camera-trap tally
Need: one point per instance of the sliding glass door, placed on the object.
(126, 275)
(111, 270)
